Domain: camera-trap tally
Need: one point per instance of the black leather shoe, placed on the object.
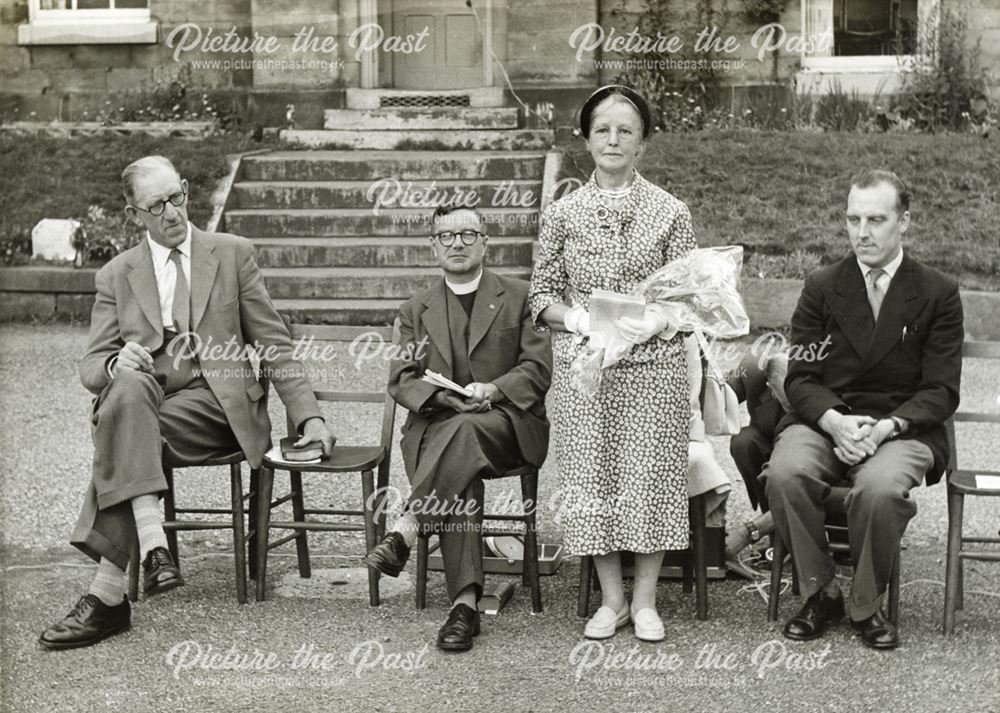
(161, 574)
(877, 632)
(819, 611)
(389, 556)
(458, 631)
(90, 621)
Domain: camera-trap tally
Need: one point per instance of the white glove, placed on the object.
(577, 320)
(657, 320)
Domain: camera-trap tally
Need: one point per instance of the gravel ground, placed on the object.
(375, 659)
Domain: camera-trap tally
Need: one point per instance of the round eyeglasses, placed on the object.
(175, 199)
(447, 238)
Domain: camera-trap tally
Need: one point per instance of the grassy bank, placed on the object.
(60, 178)
(782, 194)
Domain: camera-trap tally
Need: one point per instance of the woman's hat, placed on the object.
(634, 98)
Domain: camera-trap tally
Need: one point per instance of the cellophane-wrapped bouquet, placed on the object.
(701, 290)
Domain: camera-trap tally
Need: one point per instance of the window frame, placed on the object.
(72, 25)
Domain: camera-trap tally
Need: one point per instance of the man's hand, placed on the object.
(133, 356)
(851, 444)
(486, 394)
(315, 430)
(446, 399)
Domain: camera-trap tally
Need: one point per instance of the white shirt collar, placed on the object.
(161, 254)
(890, 269)
(464, 288)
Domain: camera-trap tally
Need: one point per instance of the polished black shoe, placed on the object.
(458, 631)
(877, 632)
(819, 611)
(161, 574)
(90, 621)
(389, 556)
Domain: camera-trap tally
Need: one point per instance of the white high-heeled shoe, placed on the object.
(648, 625)
(606, 622)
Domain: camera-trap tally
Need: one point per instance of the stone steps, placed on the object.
(426, 139)
(412, 119)
(388, 193)
(404, 165)
(358, 282)
(347, 311)
(376, 251)
(262, 222)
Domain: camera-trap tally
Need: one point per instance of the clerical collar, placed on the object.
(464, 288)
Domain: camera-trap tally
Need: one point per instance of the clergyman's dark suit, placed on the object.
(907, 365)
(446, 453)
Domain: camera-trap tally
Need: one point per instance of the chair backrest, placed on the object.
(321, 334)
(971, 350)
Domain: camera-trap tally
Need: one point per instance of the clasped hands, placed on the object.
(855, 438)
(482, 399)
(657, 319)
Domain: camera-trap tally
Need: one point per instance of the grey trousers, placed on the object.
(456, 453)
(135, 425)
(798, 478)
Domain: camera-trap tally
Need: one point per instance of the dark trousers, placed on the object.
(457, 452)
(750, 450)
(138, 420)
(797, 480)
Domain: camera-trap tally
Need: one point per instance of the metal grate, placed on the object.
(421, 101)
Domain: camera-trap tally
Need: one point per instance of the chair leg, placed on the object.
(529, 498)
(583, 596)
(239, 531)
(777, 561)
(262, 526)
(252, 523)
(422, 547)
(133, 572)
(893, 593)
(700, 565)
(170, 514)
(367, 493)
(299, 515)
(953, 563)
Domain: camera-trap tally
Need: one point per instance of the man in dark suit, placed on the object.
(885, 334)
(473, 327)
(173, 324)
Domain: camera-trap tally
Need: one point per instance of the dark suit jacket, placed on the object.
(915, 377)
(504, 349)
(228, 302)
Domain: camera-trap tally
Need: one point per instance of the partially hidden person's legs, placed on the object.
(879, 507)
(797, 480)
(462, 552)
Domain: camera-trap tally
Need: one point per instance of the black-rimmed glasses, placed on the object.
(175, 199)
(447, 238)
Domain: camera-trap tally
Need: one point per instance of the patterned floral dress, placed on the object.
(622, 453)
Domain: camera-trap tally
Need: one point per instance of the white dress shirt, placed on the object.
(890, 272)
(165, 271)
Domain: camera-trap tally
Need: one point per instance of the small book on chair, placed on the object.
(298, 454)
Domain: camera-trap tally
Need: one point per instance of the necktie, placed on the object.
(180, 311)
(875, 291)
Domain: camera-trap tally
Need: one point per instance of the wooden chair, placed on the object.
(695, 568)
(344, 459)
(528, 476)
(962, 483)
(836, 531)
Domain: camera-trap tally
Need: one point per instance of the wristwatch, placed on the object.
(754, 531)
(899, 425)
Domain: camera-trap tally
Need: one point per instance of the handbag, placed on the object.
(720, 407)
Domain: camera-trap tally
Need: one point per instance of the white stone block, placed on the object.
(52, 239)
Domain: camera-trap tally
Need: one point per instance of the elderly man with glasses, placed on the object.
(474, 328)
(164, 391)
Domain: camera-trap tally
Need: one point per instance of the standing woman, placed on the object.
(623, 452)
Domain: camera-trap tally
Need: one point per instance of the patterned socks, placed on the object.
(109, 584)
(148, 524)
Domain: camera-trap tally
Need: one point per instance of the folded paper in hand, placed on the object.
(443, 382)
(608, 307)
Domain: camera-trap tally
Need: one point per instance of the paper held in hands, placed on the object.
(605, 309)
(443, 382)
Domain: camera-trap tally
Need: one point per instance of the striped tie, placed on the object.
(180, 311)
(875, 291)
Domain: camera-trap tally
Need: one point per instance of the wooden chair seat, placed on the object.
(964, 481)
(344, 459)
